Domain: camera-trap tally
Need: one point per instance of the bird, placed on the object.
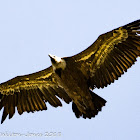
(74, 78)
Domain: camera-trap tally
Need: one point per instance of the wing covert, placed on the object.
(30, 92)
(110, 55)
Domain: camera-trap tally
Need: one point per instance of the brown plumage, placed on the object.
(72, 78)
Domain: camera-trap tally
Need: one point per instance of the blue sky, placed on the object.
(31, 29)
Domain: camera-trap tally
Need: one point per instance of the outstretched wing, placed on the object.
(111, 55)
(30, 92)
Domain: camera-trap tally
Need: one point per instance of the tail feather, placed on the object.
(98, 103)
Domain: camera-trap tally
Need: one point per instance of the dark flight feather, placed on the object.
(114, 52)
(32, 94)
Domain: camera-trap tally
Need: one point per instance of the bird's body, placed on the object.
(75, 83)
(73, 78)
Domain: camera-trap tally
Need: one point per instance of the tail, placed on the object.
(98, 103)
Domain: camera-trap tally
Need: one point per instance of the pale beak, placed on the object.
(50, 55)
(52, 58)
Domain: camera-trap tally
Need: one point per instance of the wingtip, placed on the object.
(2, 121)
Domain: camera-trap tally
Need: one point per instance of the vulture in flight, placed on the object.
(74, 78)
